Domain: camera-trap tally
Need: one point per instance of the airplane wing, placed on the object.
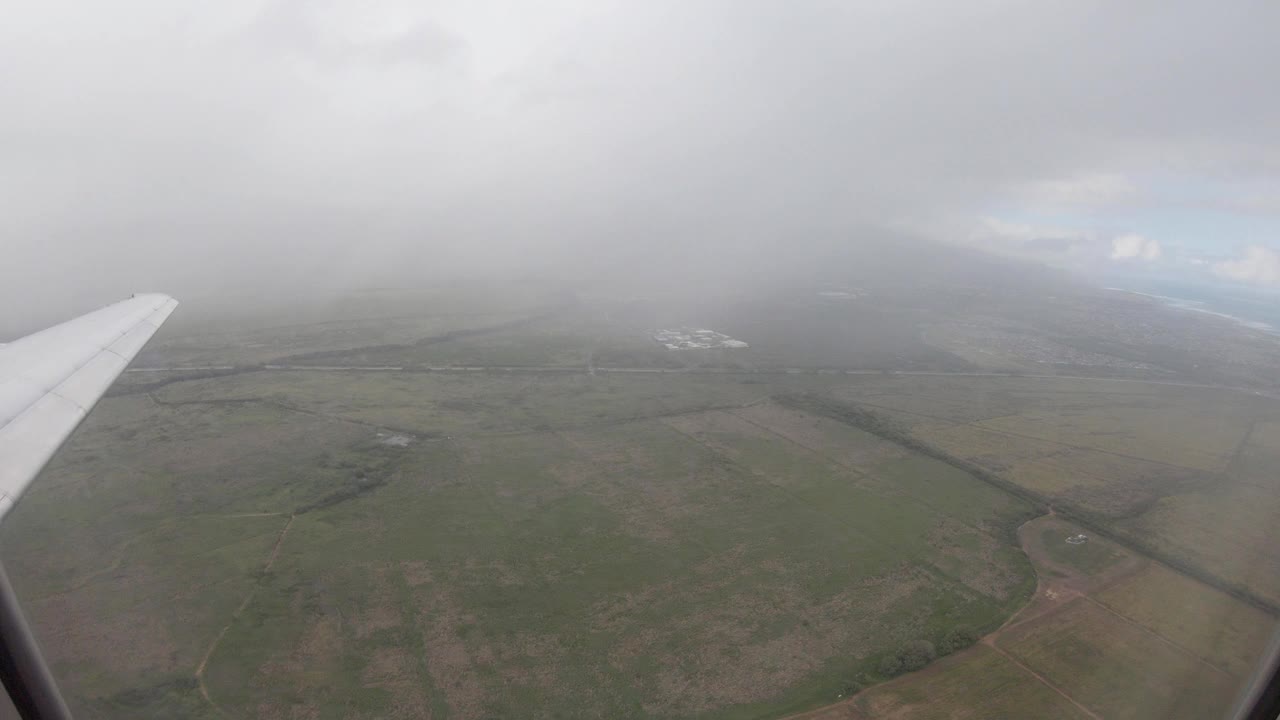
(50, 380)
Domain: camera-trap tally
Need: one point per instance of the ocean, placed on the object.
(1258, 309)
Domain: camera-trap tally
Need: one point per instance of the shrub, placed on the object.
(917, 654)
(913, 656)
(957, 638)
(890, 665)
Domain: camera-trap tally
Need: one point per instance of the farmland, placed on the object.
(537, 515)
(1102, 622)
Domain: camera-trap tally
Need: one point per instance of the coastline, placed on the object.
(1201, 306)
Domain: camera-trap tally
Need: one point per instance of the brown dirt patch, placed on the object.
(127, 641)
(980, 569)
(416, 573)
(395, 670)
(707, 426)
(740, 656)
(627, 477)
(72, 630)
(379, 609)
(453, 665)
(304, 668)
(615, 613)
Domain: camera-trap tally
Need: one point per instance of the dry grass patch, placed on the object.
(1118, 668)
(837, 441)
(980, 684)
(452, 664)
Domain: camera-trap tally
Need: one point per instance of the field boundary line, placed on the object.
(977, 425)
(857, 470)
(248, 598)
(1084, 518)
(1046, 682)
(1158, 636)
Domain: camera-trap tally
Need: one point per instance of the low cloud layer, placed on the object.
(212, 148)
(1259, 265)
(1131, 246)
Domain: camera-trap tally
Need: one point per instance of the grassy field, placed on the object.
(619, 572)
(1108, 634)
(1117, 668)
(1223, 631)
(435, 403)
(1094, 557)
(562, 544)
(1195, 489)
(547, 546)
(981, 685)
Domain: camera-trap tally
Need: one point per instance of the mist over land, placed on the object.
(727, 360)
(250, 152)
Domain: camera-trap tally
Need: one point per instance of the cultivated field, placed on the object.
(1108, 634)
(1196, 489)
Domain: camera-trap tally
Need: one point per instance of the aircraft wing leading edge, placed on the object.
(50, 380)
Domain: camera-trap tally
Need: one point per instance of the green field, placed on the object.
(618, 572)
(1092, 557)
(275, 543)
(548, 546)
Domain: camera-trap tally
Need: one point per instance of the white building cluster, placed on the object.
(695, 339)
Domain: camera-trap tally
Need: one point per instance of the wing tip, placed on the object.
(158, 296)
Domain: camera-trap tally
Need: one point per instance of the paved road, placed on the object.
(595, 369)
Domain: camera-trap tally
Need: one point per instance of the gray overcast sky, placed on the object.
(192, 147)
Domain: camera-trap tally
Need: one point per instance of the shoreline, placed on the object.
(1199, 306)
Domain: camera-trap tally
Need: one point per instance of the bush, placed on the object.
(890, 665)
(917, 654)
(957, 638)
(912, 656)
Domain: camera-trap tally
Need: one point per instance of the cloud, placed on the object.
(1057, 245)
(1132, 246)
(337, 34)
(1086, 190)
(998, 230)
(1260, 265)
(168, 145)
(1264, 199)
(1075, 248)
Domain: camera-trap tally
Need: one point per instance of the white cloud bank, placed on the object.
(1088, 190)
(1260, 265)
(1132, 246)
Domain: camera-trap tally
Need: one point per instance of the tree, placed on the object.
(957, 638)
(916, 654)
(912, 656)
(890, 665)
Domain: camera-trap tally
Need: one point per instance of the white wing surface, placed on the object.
(50, 380)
